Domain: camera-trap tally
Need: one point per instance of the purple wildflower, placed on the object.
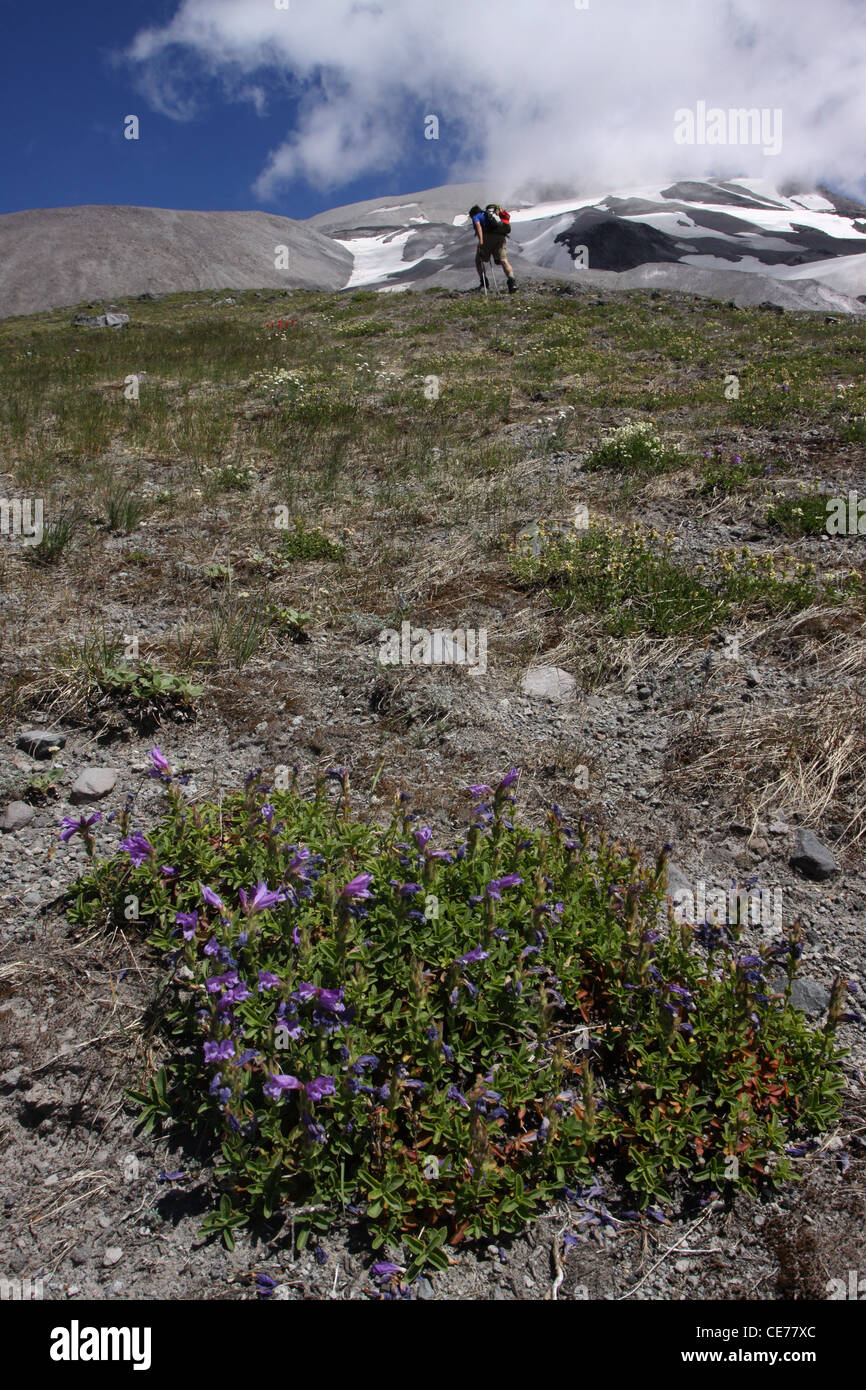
(277, 1085)
(267, 980)
(321, 1087)
(453, 1094)
(161, 765)
(496, 884)
(211, 898)
(261, 899)
(70, 825)
(188, 921)
(472, 957)
(219, 1051)
(137, 847)
(357, 888)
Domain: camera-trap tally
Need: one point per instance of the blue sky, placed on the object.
(64, 96)
(295, 106)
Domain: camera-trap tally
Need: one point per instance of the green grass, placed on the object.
(632, 581)
(307, 543)
(802, 515)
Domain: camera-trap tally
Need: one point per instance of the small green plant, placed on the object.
(216, 573)
(231, 477)
(238, 629)
(631, 583)
(147, 685)
(722, 478)
(634, 449)
(802, 515)
(308, 544)
(854, 431)
(444, 1039)
(58, 536)
(123, 510)
(291, 621)
(42, 787)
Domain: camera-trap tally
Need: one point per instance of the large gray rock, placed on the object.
(40, 743)
(107, 320)
(93, 783)
(16, 815)
(678, 882)
(809, 996)
(811, 858)
(548, 683)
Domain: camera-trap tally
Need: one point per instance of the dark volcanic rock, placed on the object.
(811, 858)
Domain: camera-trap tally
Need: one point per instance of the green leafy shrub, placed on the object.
(442, 1040)
(634, 583)
(803, 515)
(722, 478)
(148, 685)
(619, 575)
(308, 544)
(634, 449)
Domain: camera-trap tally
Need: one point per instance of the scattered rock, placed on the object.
(778, 827)
(811, 858)
(112, 1256)
(677, 881)
(40, 743)
(109, 320)
(16, 815)
(809, 996)
(93, 783)
(548, 683)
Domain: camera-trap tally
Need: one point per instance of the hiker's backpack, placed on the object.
(496, 220)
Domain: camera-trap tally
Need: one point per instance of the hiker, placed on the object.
(492, 225)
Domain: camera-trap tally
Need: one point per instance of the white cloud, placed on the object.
(530, 92)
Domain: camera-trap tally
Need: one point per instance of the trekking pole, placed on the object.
(493, 277)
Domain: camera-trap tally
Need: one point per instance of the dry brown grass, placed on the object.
(809, 758)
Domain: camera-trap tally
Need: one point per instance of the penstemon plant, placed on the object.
(443, 1039)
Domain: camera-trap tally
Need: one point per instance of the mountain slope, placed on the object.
(736, 240)
(57, 256)
(739, 241)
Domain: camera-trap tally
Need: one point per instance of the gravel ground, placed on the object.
(95, 1212)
